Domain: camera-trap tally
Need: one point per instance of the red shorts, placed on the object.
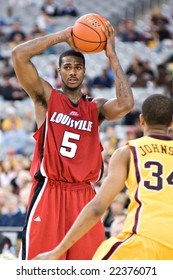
(52, 211)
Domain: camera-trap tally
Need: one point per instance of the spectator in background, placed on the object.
(110, 135)
(164, 79)
(140, 72)
(11, 119)
(69, 9)
(157, 17)
(130, 133)
(45, 22)
(163, 32)
(3, 35)
(17, 39)
(3, 194)
(18, 92)
(11, 90)
(131, 117)
(36, 32)
(117, 207)
(50, 8)
(6, 89)
(13, 216)
(16, 31)
(4, 241)
(117, 224)
(7, 173)
(21, 179)
(102, 81)
(134, 65)
(16, 139)
(28, 121)
(6, 69)
(130, 34)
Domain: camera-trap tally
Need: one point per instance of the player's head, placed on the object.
(157, 109)
(71, 52)
(72, 70)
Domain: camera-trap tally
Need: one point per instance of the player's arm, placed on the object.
(37, 88)
(123, 102)
(93, 211)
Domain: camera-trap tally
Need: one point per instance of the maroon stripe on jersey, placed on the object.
(160, 137)
(138, 178)
(115, 247)
(133, 150)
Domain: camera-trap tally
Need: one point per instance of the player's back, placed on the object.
(150, 184)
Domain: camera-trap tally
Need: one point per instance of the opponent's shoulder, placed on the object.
(121, 154)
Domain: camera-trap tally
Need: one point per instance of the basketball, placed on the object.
(88, 35)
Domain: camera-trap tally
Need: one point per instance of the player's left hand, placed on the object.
(46, 256)
(110, 35)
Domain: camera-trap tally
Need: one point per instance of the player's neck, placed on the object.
(73, 95)
(162, 130)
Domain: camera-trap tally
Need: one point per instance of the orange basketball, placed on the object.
(88, 35)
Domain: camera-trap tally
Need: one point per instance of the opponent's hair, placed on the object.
(157, 109)
(71, 52)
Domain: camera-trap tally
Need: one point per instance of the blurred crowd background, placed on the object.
(144, 44)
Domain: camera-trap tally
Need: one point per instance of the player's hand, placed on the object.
(110, 35)
(46, 256)
(69, 39)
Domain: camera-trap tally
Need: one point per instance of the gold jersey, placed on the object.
(150, 186)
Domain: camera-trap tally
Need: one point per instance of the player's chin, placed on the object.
(73, 85)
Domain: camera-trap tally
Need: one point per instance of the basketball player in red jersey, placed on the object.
(67, 155)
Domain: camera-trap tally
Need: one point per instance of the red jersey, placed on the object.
(72, 150)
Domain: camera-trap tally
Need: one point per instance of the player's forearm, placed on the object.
(123, 89)
(37, 46)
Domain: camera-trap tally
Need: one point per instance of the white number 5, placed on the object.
(68, 148)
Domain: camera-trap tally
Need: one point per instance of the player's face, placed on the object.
(72, 71)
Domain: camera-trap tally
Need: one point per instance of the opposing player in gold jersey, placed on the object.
(144, 166)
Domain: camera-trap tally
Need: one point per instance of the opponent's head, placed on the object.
(157, 109)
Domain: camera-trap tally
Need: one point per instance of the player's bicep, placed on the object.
(29, 78)
(113, 110)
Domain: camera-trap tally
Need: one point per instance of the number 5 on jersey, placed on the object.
(68, 147)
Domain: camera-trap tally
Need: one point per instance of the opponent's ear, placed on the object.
(171, 124)
(141, 119)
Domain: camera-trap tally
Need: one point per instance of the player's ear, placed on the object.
(171, 124)
(141, 119)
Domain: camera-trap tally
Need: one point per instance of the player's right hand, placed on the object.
(69, 39)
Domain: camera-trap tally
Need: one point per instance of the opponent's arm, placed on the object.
(92, 212)
(117, 107)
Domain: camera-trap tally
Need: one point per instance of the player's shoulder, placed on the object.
(100, 101)
(87, 97)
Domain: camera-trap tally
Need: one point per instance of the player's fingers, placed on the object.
(108, 30)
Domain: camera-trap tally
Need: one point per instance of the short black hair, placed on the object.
(157, 109)
(71, 52)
